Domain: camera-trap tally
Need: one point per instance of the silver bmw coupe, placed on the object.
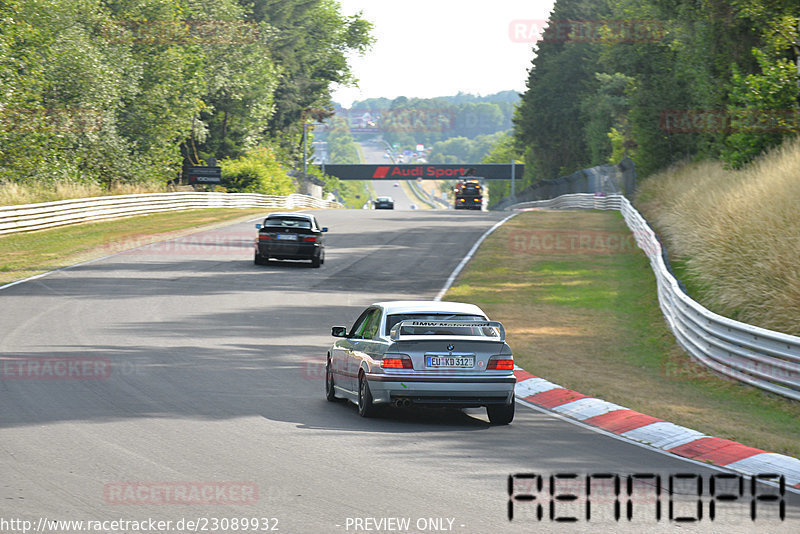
(405, 353)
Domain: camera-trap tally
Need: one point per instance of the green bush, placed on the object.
(258, 171)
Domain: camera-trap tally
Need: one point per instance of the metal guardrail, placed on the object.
(423, 195)
(607, 179)
(762, 358)
(25, 217)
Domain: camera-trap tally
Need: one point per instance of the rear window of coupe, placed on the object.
(280, 222)
(392, 320)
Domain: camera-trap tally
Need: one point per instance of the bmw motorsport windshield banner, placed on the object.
(424, 171)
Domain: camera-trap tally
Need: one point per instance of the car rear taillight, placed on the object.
(264, 236)
(502, 364)
(310, 239)
(397, 362)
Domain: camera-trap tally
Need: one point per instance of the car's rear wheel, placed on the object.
(330, 392)
(316, 262)
(260, 260)
(500, 415)
(365, 406)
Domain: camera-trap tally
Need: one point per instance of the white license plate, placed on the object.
(451, 362)
(287, 237)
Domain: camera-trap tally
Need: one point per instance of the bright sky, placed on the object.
(428, 48)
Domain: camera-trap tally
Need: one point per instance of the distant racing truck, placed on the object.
(468, 195)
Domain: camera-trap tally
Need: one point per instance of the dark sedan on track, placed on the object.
(290, 236)
(384, 203)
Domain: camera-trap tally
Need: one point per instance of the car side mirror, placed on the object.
(258, 227)
(324, 229)
(339, 331)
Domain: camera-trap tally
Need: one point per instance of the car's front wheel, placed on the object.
(501, 415)
(330, 392)
(365, 406)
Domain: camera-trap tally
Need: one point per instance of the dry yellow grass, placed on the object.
(12, 193)
(738, 232)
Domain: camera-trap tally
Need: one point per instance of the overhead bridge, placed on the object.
(488, 171)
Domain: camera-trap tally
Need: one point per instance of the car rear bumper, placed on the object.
(289, 251)
(460, 391)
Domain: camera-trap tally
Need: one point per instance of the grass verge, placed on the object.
(414, 196)
(736, 234)
(355, 193)
(31, 253)
(12, 193)
(579, 304)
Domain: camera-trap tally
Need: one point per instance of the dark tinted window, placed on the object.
(366, 326)
(392, 320)
(287, 222)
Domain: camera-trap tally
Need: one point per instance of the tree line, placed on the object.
(108, 91)
(659, 81)
(410, 121)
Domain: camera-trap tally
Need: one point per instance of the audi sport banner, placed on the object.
(426, 172)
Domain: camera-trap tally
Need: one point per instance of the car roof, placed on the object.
(290, 215)
(428, 306)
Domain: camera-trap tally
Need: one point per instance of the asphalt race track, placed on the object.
(200, 369)
(373, 153)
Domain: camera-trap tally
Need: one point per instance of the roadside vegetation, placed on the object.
(30, 253)
(12, 193)
(659, 82)
(112, 94)
(343, 150)
(587, 318)
(257, 171)
(734, 234)
(406, 122)
(465, 150)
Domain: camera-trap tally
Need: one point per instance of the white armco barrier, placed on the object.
(762, 358)
(49, 214)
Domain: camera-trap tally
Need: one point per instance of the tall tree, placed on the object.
(310, 40)
(548, 121)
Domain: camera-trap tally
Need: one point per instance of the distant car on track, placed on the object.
(423, 353)
(384, 203)
(397, 184)
(290, 236)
